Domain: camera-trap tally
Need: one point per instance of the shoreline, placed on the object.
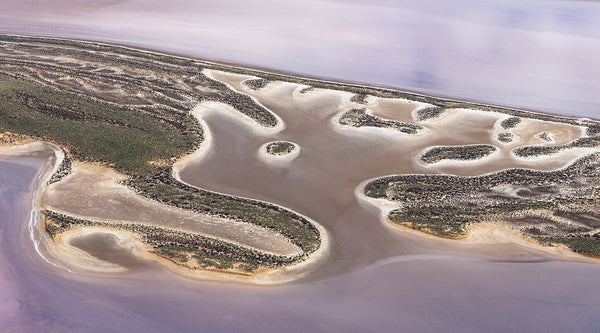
(258, 70)
(271, 276)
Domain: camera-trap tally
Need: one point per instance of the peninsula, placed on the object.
(120, 126)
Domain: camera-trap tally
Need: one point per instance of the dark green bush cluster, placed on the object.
(430, 113)
(464, 153)
(505, 137)
(257, 84)
(540, 203)
(510, 122)
(164, 188)
(280, 148)
(63, 170)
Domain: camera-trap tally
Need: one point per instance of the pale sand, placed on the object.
(528, 130)
(82, 262)
(398, 109)
(465, 126)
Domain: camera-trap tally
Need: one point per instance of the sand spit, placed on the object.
(93, 192)
(59, 252)
(235, 82)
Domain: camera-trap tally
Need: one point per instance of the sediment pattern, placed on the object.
(189, 249)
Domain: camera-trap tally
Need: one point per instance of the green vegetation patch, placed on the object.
(441, 221)
(257, 84)
(430, 113)
(510, 122)
(63, 170)
(463, 153)
(125, 138)
(359, 98)
(557, 206)
(138, 139)
(280, 148)
(164, 188)
(588, 245)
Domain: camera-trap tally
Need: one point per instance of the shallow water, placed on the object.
(408, 293)
(104, 246)
(375, 279)
(534, 54)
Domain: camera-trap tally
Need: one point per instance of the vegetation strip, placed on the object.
(191, 250)
(532, 151)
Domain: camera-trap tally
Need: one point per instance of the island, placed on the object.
(119, 126)
(279, 148)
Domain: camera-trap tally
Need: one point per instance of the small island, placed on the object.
(457, 153)
(279, 148)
